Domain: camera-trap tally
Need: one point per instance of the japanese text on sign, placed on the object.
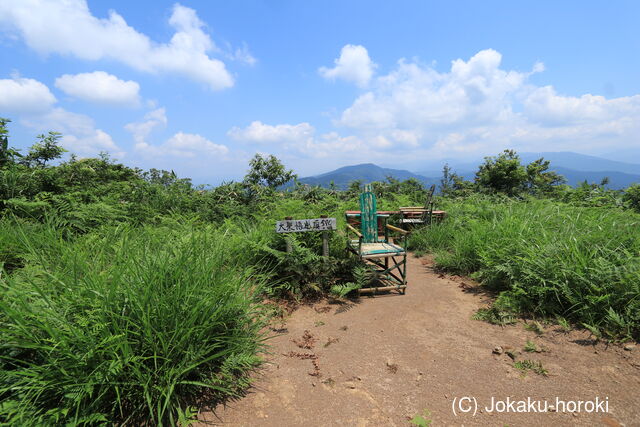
(300, 225)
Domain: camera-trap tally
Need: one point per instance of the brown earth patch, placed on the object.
(392, 356)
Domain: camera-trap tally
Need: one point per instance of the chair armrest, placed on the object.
(350, 227)
(399, 230)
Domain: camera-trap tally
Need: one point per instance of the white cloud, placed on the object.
(185, 145)
(20, 95)
(545, 106)
(258, 132)
(141, 130)
(67, 27)
(35, 105)
(353, 65)
(478, 108)
(92, 144)
(299, 139)
(241, 54)
(191, 145)
(100, 87)
(79, 134)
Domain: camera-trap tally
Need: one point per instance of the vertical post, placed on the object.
(325, 241)
(287, 239)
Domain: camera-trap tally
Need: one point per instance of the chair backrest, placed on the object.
(368, 216)
(428, 206)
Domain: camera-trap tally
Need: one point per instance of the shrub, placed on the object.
(129, 326)
(546, 258)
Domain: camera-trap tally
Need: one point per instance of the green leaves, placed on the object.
(267, 171)
(46, 149)
(130, 324)
(546, 259)
(502, 174)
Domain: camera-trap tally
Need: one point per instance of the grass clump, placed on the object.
(494, 316)
(422, 420)
(132, 326)
(531, 347)
(535, 327)
(546, 258)
(531, 365)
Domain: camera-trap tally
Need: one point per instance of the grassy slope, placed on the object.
(547, 258)
(124, 324)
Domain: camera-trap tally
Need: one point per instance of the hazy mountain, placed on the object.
(566, 159)
(366, 172)
(582, 162)
(573, 166)
(617, 180)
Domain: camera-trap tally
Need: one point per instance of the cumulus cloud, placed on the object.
(36, 107)
(258, 132)
(79, 133)
(91, 144)
(100, 87)
(477, 107)
(20, 95)
(68, 27)
(545, 106)
(299, 139)
(141, 130)
(353, 65)
(192, 145)
(186, 145)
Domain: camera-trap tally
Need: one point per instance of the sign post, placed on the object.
(287, 239)
(323, 224)
(325, 241)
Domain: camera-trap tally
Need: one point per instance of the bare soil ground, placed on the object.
(382, 360)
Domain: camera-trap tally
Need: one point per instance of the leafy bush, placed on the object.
(632, 197)
(546, 258)
(132, 325)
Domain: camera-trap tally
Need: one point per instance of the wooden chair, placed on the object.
(413, 216)
(387, 259)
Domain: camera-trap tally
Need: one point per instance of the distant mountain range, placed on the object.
(573, 166)
(366, 172)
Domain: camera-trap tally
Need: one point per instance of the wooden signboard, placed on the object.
(302, 225)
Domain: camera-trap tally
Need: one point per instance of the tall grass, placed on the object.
(547, 258)
(131, 325)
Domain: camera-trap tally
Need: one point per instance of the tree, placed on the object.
(447, 180)
(45, 150)
(7, 155)
(267, 172)
(502, 174)
(355, 187)
(632, 196)
(540, 179)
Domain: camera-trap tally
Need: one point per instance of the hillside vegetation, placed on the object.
(131, 296)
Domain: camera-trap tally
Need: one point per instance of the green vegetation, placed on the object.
(531, 347)
(129, 324)
(531, 365)
(131, 296)
(535, 326)
(495, 316)
(422, 420)
(546, 258)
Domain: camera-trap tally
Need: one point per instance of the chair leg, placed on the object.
(395, 274)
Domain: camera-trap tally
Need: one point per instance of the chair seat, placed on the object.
(375, 250)
(412, 221)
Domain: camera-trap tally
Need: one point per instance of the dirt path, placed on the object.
(385, 359)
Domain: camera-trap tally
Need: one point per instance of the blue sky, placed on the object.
(200, 86)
